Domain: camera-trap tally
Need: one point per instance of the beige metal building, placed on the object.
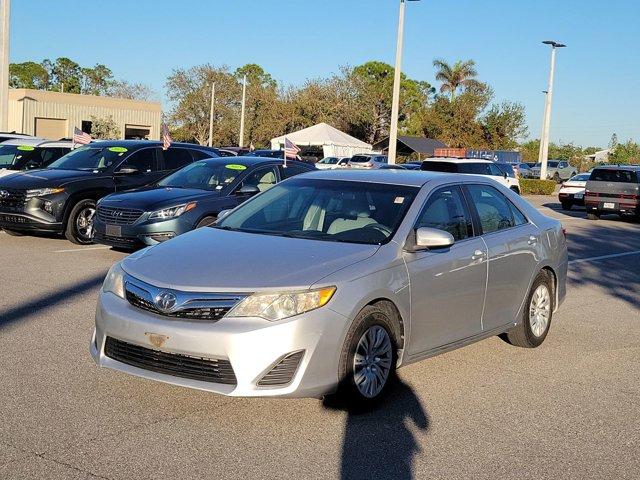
(54, 115)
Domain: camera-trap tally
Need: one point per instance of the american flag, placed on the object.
(290, 149)
(166, 137)
(80, 137)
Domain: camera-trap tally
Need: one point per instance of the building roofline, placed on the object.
(18, 94)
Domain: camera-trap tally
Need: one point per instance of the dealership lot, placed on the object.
(569, 408)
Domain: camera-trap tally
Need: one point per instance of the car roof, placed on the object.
(37, 142)
(250, 161)
(148, 143)
(459, 160)
(634, 168)
(415, 178)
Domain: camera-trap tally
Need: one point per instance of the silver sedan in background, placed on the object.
(330, 281)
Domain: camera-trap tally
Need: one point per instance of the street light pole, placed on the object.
(395, 101)
(546, 122)
(244, 96)
(213, 98)
(4, 64)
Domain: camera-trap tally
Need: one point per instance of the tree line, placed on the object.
(63, 74)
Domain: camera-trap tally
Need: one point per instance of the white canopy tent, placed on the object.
(334, 143)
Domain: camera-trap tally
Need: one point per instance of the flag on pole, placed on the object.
(166, 137)
(80, 137)
(290, 150)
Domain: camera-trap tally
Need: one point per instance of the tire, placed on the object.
(556, 177)
(79, 229)
(567, 205)
(378, 322)
(537, 314)
(13, 233)
(206, 221)
(593, 216)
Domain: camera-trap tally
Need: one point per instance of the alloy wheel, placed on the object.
(540, 310)
(84, 223)
(372, 361)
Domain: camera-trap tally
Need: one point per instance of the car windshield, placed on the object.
(90, 158)
(14, 157)
(582, 177)
(329, 160)
(204, 175)
(613, 175)
(327, 210)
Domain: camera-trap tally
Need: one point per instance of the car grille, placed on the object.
(197, 306)
(12, 200)
(195, 368)
(283, 372)
(118, 216)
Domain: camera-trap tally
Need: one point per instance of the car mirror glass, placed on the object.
(223, 214)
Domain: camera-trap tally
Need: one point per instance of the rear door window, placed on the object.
(143, 160)
(175, 158)
(480, 168)
(495, 211)
(293, 170)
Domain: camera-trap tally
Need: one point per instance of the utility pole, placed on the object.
(4, 64)
(213, 98)
(546, 123)
(244, 97)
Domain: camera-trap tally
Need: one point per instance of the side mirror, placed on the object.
(425, 238)
(128, 171)
(247, 190)
(223, 214)
(31, 165)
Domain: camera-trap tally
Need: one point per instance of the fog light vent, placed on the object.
(282, 373)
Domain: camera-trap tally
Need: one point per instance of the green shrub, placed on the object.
(530, 186)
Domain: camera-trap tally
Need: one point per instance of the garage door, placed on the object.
(51, 128)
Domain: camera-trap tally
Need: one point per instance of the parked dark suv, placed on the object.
(190, 198)
(613, 189)
(62, 198)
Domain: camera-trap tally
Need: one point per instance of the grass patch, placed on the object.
(530, 186)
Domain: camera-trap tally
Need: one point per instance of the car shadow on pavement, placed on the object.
(381, 442)
(37, 306)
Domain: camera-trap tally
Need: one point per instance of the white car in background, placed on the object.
(30, 153)
(331, 163)
(572, 191)
(500, 172)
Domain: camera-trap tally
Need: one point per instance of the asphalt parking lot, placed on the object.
(569, 409)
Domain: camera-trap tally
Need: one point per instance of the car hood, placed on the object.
(214, 260)
(43, 178)
(153, 198)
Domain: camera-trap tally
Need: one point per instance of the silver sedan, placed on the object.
(330, 281)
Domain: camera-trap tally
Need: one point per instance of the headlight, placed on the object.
(41, 192)
(173, 212)
(114, 281)
(276, 306)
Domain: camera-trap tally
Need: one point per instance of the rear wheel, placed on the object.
(536, 317)
(567, 205)
(593, 216)
(369, 356)
(13, 233)
(206, 221)
(80, 223)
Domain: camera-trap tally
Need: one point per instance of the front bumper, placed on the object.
(30, 215)
(253, 346)
(27, 222)
(142, 233)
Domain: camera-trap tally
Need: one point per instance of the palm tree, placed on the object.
(461, 74)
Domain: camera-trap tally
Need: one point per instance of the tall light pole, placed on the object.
(546, 122)
(213, 98)
(395, 101)
(4, 64)
(244, 97)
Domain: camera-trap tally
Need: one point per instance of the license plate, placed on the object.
(114, 231)
(13, 219)
(609, 205)
(579, 195)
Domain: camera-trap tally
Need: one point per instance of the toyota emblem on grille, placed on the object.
(4, 194)
(166, 300)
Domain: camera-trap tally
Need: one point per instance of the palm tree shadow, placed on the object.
(381, 442)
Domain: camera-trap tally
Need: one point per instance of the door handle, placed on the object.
(478, 254)
(532, 240)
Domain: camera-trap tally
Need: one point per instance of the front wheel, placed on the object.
(593, 216)
(556, 177)
(369, 356)
(80, 222)
(536, 317)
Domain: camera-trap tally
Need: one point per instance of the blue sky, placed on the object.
(597, 76)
